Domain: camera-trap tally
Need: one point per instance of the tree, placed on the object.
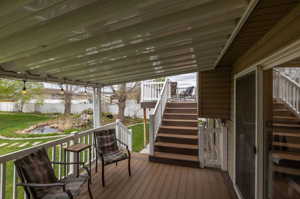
(69, 91)
(12, 90)
(68, 99)
(121, 93)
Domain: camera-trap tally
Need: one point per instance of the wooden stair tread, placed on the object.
(182, 102)
(179, 127)
(179, 120)
(280, 109)
(285, 117)
(286, 125)
(178, 136)
(177, 145)
(286, 170)
(183, 114)
(181, 108)
(176, 156)
(287, 134)
(286, 155)
(296, 146)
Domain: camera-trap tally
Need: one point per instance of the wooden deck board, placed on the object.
(154, 180)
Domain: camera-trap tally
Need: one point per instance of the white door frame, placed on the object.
(258, 132)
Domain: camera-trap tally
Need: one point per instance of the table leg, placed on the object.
(78, 165)
(90, 159)
(65, 159)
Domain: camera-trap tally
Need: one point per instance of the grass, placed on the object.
(138, 137)
(12, 122)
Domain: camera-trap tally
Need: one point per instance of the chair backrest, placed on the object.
(36, 168)
(189, 91)
(106, 141)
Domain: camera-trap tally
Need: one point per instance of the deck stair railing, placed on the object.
(8, 174)
(151, 90)
(286, 90)
(156, 116)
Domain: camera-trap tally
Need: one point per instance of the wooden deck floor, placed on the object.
(158, 181)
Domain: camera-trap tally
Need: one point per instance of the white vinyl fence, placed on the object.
(133, 109)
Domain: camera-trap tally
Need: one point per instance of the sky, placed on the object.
(184, 80)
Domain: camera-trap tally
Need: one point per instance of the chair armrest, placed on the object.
(42, 185)
(58, 184)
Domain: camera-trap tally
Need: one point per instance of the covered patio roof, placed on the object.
(97, 43)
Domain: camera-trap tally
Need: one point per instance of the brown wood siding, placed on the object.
(214, 93)
(263, 18)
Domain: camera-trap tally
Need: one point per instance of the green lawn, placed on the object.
(12, 122)
(138, 137)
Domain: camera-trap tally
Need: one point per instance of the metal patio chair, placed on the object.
(108, 150)
(187, 93)
(39, 180)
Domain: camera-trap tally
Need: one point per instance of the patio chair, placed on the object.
(187, 93)
(108, 150)
(39, 180)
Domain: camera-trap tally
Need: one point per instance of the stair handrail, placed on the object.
(286, 90)
(155, 118)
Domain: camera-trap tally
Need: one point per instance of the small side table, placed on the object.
(77, 148)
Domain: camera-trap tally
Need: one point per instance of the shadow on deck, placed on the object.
(155, 180)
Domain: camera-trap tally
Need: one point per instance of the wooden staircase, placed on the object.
(286, 140)
(177, 138)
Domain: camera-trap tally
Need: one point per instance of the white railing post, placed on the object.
(2, 180)
(130, 139)
(142, 91)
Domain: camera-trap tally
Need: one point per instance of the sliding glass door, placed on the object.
(245, 130)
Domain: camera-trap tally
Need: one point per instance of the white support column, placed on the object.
(97, 107)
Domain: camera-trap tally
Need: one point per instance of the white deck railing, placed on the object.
(213, 147)
(150, 90)
(8, 175)
(156, 116)
(286, 90)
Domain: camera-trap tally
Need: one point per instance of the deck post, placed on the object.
(151, 134)
(97, 107)
(145, 126)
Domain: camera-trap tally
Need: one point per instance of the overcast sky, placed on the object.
(185, 80)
